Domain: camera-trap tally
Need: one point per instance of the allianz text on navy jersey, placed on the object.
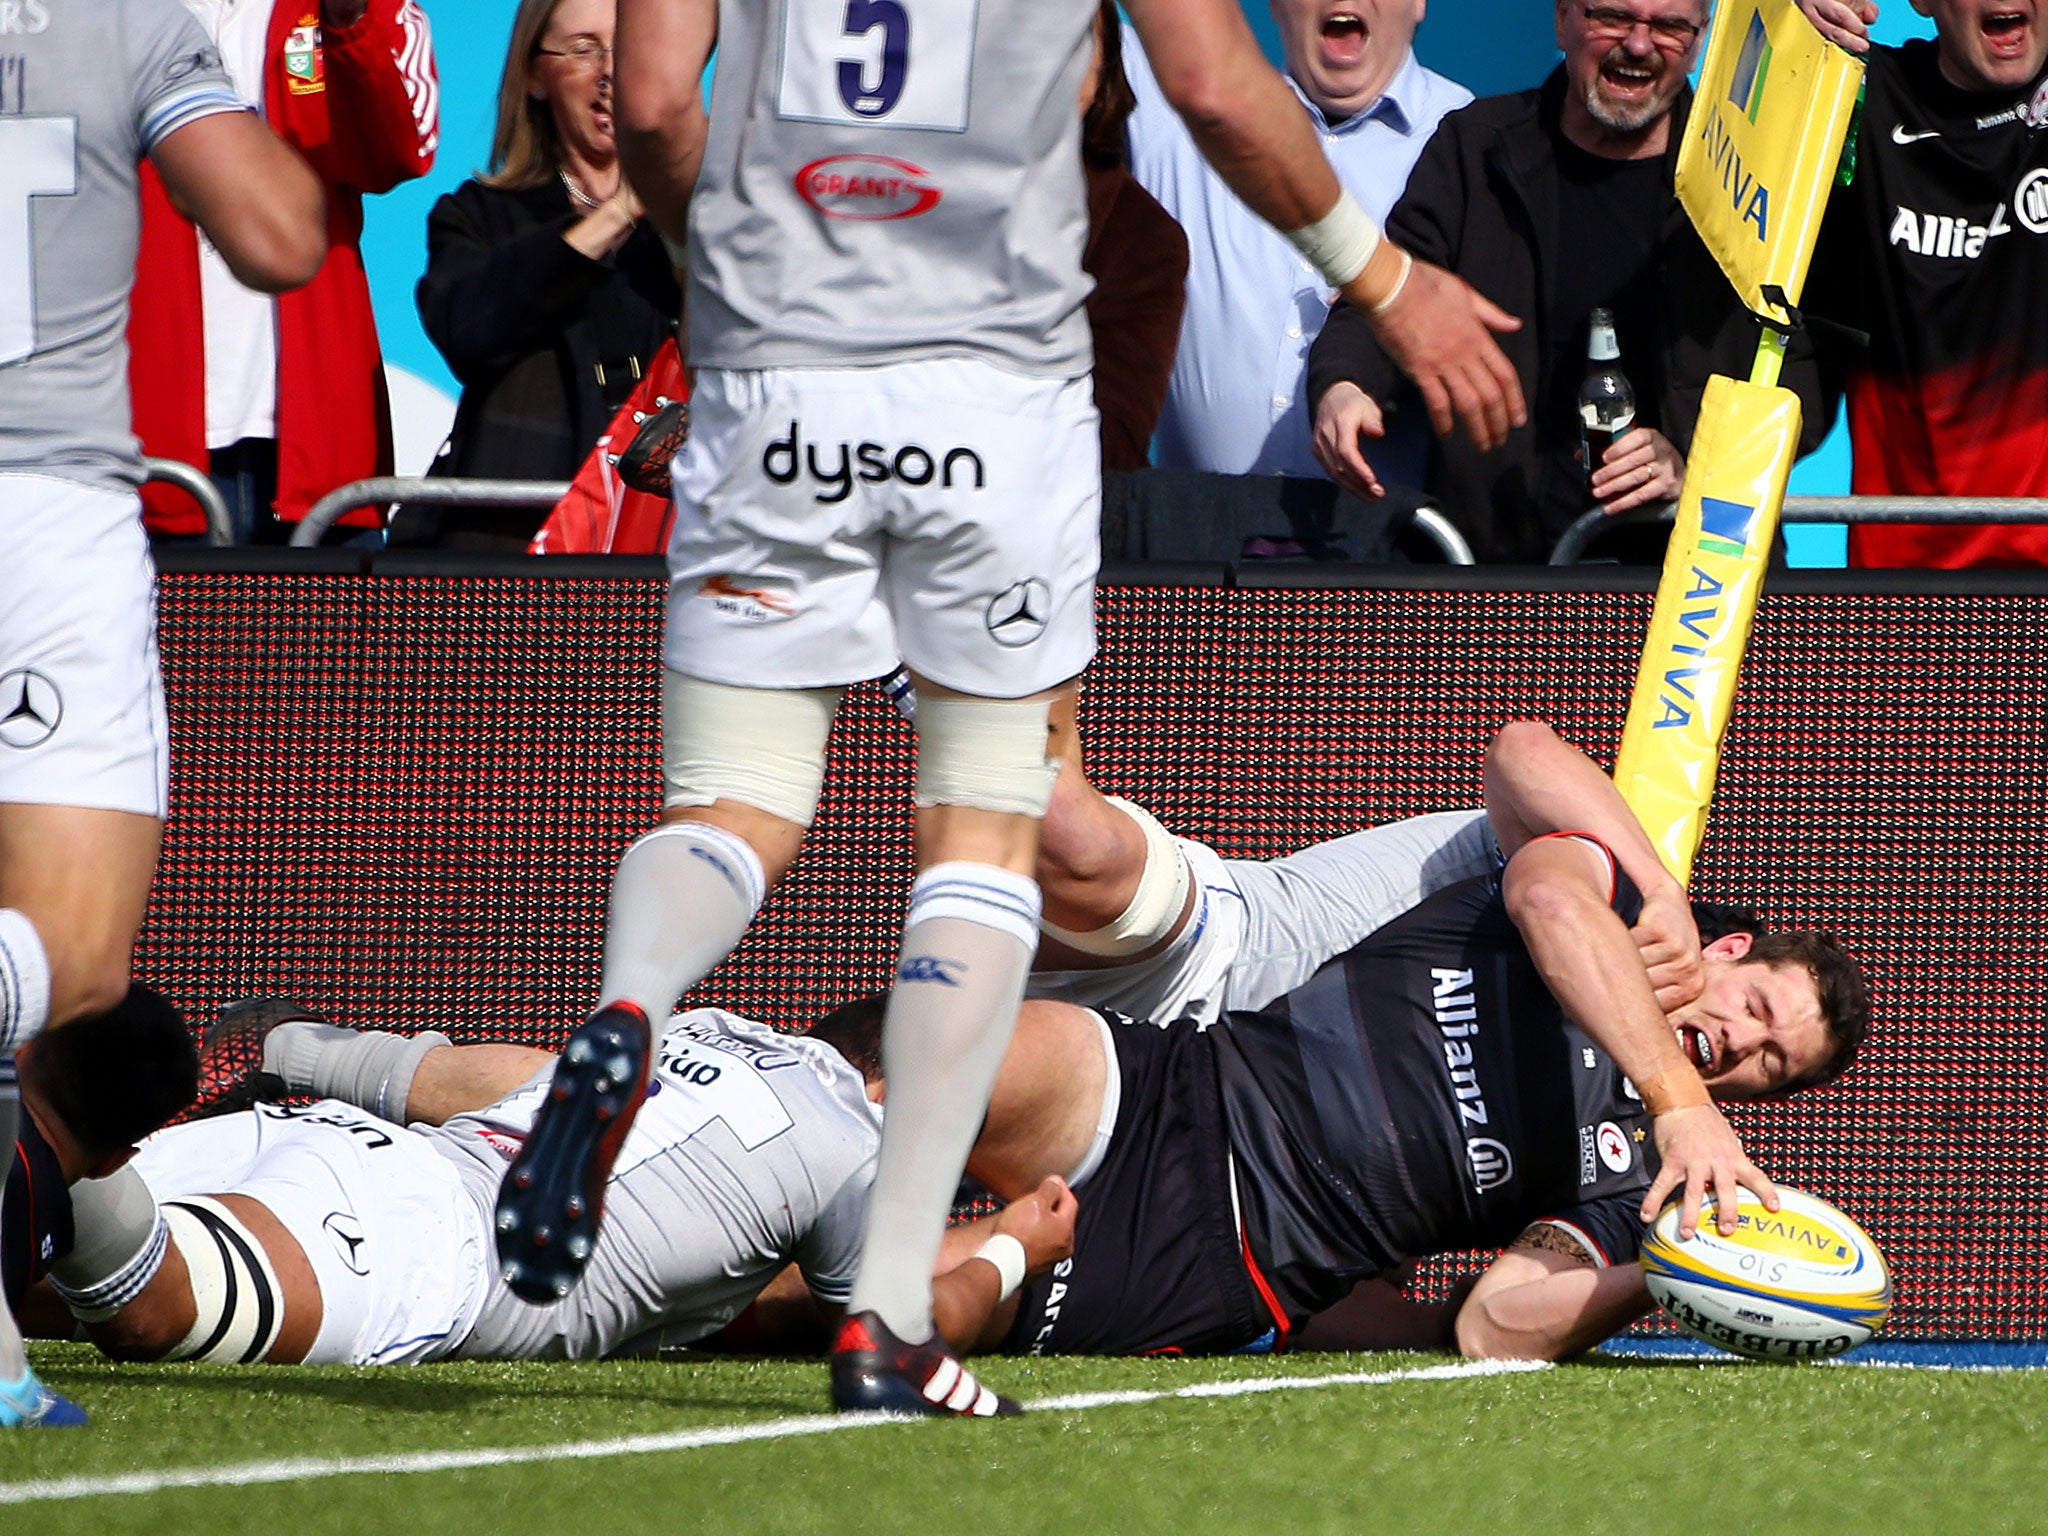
(1425, 1093)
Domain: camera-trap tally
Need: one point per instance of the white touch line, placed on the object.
(296, 1469)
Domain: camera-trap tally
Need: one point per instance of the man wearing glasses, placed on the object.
(1553, 202)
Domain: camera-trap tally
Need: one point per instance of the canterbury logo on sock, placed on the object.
(929, 968)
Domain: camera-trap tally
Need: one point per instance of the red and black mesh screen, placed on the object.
(399, 797)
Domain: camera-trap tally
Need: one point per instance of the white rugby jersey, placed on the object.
(87, 87)
(893, 179)
(753, 1150)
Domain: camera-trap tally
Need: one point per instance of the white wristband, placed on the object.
(1386, 301)
(1007, 1254)
(1340, 243)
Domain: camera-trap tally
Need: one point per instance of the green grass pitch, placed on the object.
(1419, 1445)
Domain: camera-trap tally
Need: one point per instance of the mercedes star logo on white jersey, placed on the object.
(1017, 615)
(30, 708)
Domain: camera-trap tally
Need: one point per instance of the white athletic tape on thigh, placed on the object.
(985, 754)
(117, 1245)
(236, 1292)
(763, 747)
(1154, 907)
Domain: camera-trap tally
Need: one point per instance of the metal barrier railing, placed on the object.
(323, 514)
(1827, 509)
(220, 529)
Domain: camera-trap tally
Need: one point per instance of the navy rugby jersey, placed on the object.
(35, 1215)
(1424, 1092)
(1938, 249)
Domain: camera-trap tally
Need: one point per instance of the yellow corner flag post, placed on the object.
(1760, 150)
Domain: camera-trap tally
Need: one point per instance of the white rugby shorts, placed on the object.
(401, 1251)
(81, 695)
(832, 520)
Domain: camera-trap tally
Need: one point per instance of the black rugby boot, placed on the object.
(552, 1198)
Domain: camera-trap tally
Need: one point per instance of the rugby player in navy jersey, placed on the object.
(1467, 1076)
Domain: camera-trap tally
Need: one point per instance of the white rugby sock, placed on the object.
(24, 981)
(967, 943)
(118, 1247)
(364, 1067)
(13, 1357)
(682, 898)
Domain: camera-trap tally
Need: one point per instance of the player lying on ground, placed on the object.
(1127, 1110)
(1465, 1077)
(330, 1235)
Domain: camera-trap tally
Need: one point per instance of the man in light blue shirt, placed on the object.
(1237, 402)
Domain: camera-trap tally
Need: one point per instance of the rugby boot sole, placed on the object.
(552, 1197)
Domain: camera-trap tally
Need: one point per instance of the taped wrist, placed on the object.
(117, 1245)
(1007, 1254)
(1340, 243)
(1155, 906)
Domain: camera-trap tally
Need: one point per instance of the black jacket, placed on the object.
(546, 341)
(1483, 201)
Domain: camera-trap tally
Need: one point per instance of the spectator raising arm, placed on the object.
(1250, 127)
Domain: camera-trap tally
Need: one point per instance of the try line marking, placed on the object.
(304, 1468)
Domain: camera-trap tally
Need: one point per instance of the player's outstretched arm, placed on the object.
(973, 1299)
(1539, 1302)
(662, 48)
(254, 195)
(1557, 892)
(1252, 129)
(1538, 783)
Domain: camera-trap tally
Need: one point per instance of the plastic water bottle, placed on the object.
(1607, 401)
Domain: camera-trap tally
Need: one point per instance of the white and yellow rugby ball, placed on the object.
(1800, 1283)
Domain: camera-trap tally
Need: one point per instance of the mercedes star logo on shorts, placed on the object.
(30, 708)
(1017, 615)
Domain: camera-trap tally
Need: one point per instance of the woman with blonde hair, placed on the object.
(545, 289)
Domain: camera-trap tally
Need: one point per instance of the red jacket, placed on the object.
(362, 104)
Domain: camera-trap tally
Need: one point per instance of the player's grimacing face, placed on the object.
(1988, 45)
(1755, 1027)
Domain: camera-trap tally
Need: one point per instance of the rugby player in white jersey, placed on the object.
(328, 1234)
(894, 454)
(87, 89)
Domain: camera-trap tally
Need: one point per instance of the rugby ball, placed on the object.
(1800, 1283)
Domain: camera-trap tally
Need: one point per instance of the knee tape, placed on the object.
(1155, 906)
(763, 747)
(236, 1292)
(986, 754)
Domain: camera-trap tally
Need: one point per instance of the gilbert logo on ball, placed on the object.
(1800, 1283)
